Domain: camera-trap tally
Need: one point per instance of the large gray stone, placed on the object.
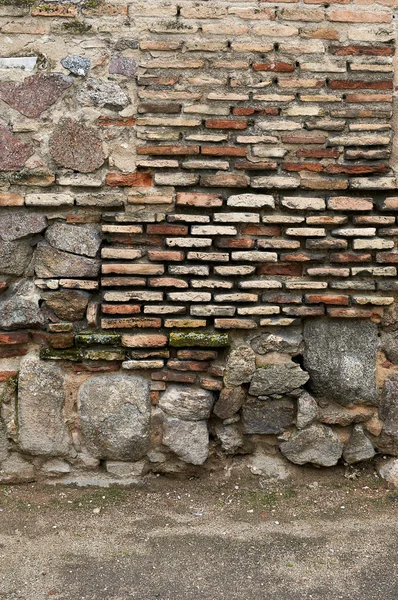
(50, 262)
(114, 415)
(77, 239)
(267, 416)
(16, 469)
(230, 436)
(105, 94)
(18, 224)
(189, 403)
(229, 402)
(317, 444)
(188, 439)
(15, 257)
(241, 365)
(358, 447)
(388, 408)
(389, 345)
(77, 65)
(19, 307)
(307, 410)
(41, 399)
(340, 356)
(286, 341)
(277, 379)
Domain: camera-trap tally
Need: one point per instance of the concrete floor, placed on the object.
(324, 537)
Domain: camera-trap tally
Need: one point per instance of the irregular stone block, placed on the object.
(56, 466)
(388, 470)
(68, 305)
(229, 402)
(123, 65)
(126, 469)
(16, 469)
(18, 224)
(41, 399)
(241, 365)
(77, 65)
(19, 307)
(114, 415)
(13, 152)
(389, 345)
(75, 146)
(36, 93)
(77, 239)
(286, 341)
(3, 442)
(105, 94)
(388, 408)
(267, 416)
(50, 262)
(277, 379)
(188, 439)
(190, 403)
(307, 410)
(317, 444)
(15, 257)
(340, 356)
(230, 436)
(358, 447)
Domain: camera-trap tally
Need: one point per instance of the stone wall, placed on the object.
(197, 235)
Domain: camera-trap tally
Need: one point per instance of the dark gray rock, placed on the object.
(277, 379)
(188, 439)
(126, 44)
(389, 345)
(105, 94)
(17, 224)
(13, 152)
(76, 239)
(317, 444)
(267, 416)
(229, 402)
(75, 146)
(388, 408)
(67, 305)
(340, 356)
(36, 93)
(307, 410)
(189, 403)
(114, 416)
(286, 341)
(50, 262)
(358, 447)
(77, 65)
(240, 367)
(15, 257)
(123, 65)
(19, 307)
(41, 399)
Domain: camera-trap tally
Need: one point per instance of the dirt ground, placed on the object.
(222, 537)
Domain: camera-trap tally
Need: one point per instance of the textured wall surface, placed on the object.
(197, 234)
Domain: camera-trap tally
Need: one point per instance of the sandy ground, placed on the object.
(223, 537)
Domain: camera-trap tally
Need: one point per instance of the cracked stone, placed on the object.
(277, 379)
(50, 262)
(267, 416)
(75, 146)
(105, 94)
(36, 93)
(241, 365)
(15, 256)
(307, 410)
(123, 65)
(358, 447)
(188, 439)
(13, 152)
(77, 65)
(229, 402)
(190, 403)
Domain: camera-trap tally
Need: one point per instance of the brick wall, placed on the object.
(180, 178)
